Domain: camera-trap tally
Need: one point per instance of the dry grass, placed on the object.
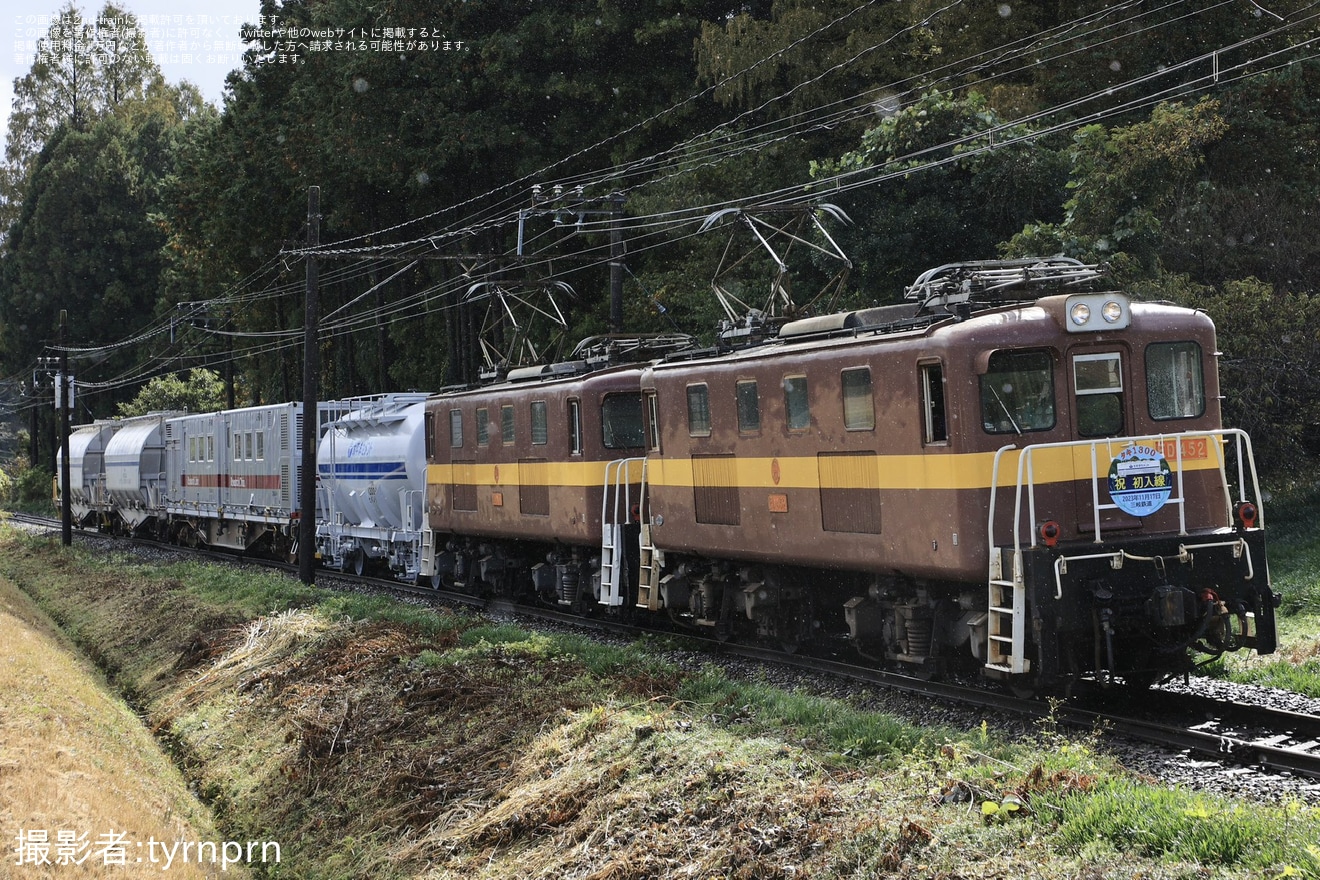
(73, 758)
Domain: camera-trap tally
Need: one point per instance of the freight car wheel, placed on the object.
(359, 562)
(429, 581)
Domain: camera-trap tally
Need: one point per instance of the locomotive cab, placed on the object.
(1118, 542)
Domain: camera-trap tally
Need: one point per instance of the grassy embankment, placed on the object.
(83, 786)
(374, 739)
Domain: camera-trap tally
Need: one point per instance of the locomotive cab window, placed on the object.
(749, 407)
(621, 421)
(797, 410)
(652, 422)
(858, 405)
(1017, 392)
(1098, 382)
(429, 424)
(1175, 385)
(698, 405)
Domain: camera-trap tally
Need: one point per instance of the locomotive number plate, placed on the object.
(1192, 448)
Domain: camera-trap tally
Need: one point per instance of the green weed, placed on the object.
(1174, 824)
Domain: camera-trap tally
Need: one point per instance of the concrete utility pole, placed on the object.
(64, 395)
(311, 369)
(616, 263)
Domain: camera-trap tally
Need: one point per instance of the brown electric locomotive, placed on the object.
(535, 481)
(1022, 472)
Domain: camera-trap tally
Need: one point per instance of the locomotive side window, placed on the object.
(621, 421)
(934, 424)
(749, 407)
(796, 407)
(1098, 380)
(506, 424)
(698, 399)
(429, 422)
(575, 426)
(238, 448)
(858, 405)
(483, 426)
(653, 422)
(261, 446)
(249, 454)
(1017, 393)
(540, 430)
(1175, 386)
(455, 428)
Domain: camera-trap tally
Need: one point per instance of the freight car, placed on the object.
(88, 501)
(135, 474)
(371, 489)
(233, 476)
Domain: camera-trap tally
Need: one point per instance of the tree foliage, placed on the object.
(83, 70)
(944, 192)
(202, 391)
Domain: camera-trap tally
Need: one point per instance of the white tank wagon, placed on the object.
(87, 491)
(135, 473)
(371, 500)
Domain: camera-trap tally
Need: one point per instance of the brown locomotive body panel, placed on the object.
(869, 478)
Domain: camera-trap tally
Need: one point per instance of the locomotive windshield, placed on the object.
(1175, 388)
(1098, 381)
(1017, 393)
(621, 421)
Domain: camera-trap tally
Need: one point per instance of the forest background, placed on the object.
(492, 170)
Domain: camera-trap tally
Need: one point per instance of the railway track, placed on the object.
(1256, 736)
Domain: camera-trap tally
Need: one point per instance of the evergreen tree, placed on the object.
(82, 70)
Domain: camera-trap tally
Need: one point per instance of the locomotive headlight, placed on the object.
(1096, 312)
